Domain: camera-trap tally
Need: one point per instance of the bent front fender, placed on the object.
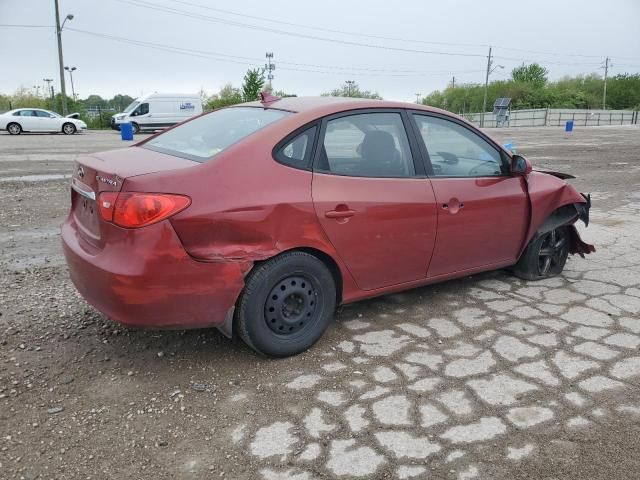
(555, 203)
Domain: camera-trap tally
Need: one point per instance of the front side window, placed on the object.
(204, 137)
(142, 109)
(456, 151)
(297, 152)
(367, 145)
(43, 114)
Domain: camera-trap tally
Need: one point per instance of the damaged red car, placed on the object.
(260, 218)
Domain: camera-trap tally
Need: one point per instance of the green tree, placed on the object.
(253, 84)
(533, 73)
(228, 95)
(352, 90)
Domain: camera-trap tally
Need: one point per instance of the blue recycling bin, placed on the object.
(569, 126)
(126, 131)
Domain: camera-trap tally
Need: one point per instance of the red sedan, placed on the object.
(260, 218)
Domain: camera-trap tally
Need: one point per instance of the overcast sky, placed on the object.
(426, 44)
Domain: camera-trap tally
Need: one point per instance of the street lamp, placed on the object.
(71, 70)
(350, 84)
(59, 28)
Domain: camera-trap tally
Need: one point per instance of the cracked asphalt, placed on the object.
(486, 377)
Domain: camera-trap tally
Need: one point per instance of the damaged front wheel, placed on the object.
(545, 256)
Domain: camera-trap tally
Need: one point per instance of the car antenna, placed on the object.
(266, 97)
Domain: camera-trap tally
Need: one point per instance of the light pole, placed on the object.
(73, 90)
(350, 84)
(49, 81)
(418, 97)
(60, 60)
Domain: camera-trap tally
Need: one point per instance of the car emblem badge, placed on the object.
(81, 172)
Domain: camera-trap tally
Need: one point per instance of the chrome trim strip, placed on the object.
(83, 189)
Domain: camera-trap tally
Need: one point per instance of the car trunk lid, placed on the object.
(106, 172)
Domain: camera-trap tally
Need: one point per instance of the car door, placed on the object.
(28, 120)
(141, 115)
(372, 199)
(483, 211)
(47, 122)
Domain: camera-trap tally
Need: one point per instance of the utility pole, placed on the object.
(60, 61)
(350, 84)
(607, 64)
(269, 67)
(73, 90)
(418, 97)
(486, 88)
(486, 85)
(453, 82)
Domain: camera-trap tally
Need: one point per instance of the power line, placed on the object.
(22, 25)
(253, 61)
(380, 37)
(141, 3)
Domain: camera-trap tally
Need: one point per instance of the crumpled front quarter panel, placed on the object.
(548, 193)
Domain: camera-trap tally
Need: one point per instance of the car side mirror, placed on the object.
(520, 165)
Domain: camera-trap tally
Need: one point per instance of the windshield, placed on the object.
(131, 106)
(204, 137)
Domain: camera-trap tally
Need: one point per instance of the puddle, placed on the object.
(36, 178)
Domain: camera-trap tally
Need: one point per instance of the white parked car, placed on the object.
(158, 110)
(39, 120)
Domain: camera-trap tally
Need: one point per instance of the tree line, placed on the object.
(528, 87)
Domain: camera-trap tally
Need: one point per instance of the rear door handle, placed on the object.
(341, 211)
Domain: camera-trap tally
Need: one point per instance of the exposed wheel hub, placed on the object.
(290, 305)
(551, 251)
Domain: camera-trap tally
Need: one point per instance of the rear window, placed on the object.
(203, 138)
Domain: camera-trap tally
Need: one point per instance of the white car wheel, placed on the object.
(68, 129)
(14, 129)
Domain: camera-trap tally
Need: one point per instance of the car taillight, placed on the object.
(134, 210)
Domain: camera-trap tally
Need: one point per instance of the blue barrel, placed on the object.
(569, 126)
(126, 131)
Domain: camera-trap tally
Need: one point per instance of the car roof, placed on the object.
(321, 106)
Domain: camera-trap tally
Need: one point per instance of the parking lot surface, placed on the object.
(486, 377)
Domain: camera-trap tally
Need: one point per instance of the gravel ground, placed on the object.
(485, 377)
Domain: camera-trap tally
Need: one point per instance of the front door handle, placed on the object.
(341, 211)
(454, 206)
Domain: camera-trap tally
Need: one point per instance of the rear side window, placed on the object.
(25, 113)
(204, 137)
(297, 152)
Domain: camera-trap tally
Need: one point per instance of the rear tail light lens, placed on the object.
(134, 210)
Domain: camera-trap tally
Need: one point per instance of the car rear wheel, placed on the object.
(135, 127)
(14, 129)
(68, 128)
(287, 304)
(545, 256)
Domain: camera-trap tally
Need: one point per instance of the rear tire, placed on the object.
(14, 128)
(287, 304)
(545, 256)
(68, 128)
(135, 127)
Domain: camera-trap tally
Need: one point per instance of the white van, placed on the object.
(158, 110)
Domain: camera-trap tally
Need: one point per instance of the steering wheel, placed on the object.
(474, 171)
(449, 158)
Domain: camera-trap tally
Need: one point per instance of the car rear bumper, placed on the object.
(144, 278)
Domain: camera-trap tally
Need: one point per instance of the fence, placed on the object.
(555, 117)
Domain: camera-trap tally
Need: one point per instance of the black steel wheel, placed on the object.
(545, 256)
(287, 304)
